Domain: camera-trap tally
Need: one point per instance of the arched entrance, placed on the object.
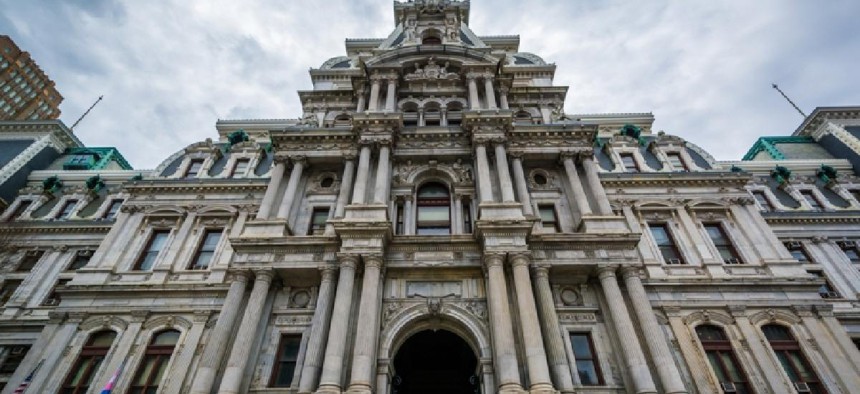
(435, 362)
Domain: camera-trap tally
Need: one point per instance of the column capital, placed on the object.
(239, 276)
(499, 141)
(606, 271)
(373, 260)
(566, 155)
(541, 271)
(494, 259)
(471, 76)
(520, 258)
(56, 317)
(349, 261)
(327, 272)
(515, 155)
(265, 275)
(281, 158)
(480, 141)
(586, 156)
(631, 272)
(824, 310)
(348, 157)
(139, 316)
(299, 159)
(820, 239)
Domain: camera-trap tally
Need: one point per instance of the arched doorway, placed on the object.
(435, 362)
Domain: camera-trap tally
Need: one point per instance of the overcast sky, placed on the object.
(170, 69)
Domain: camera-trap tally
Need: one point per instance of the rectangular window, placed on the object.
(241, 167)
(797, 251)
(8, 289)
(22, 207)
(66, 211)
(194, 168)
(318, 218)
(30, 260)
(825, 290)
(721, 241)
(676, 161)
(113, 209)
(763, 202)
(467, 217)
(587, 365)
(666, 244)
(153, 248)
(856, 194)
(398, 227)
(14, 359)
(548, 219)
(285, 362)
(81, 259)
(811, 199)
(850, 250)
(206, 250)
(53, 299)
(629, 162)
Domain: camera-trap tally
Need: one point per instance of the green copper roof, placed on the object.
(769, 144)
(93, 158)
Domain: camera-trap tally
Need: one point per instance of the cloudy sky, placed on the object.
(170, 69)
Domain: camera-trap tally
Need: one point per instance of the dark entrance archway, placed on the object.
(435, 362)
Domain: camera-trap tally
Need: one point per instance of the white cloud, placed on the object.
(169, 70)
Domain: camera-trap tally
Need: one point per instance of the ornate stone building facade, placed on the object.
(434, 222)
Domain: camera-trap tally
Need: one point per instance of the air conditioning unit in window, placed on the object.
(728, 387)
(732, 261)
(845, 244)
(18, 350)
(51, 302)
(802, 387)
(830, 294)
(794, 245)
(674, 261)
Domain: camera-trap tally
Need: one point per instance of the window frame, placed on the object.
(67, 209)
(634, 169)
(89, 353)
(809, 197)
(313, 228)
(158, 352)
(30, 256)
(763, 201)
(235, 172)
(788, 348)
(199, 250)
(189, 174)
(674, 244)
(146, 249)
(556, 227)
(722, 347)
(110, 213)
(594, 359)
(681, 162)
(20, 209)
(432, 202)
(279, 362)
(795, 246)
(850, 246)
(729, 245)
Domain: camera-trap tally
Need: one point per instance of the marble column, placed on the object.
(489, 92)
(591, 175)
(272, 190)
(332, 369)
(216, 345)
(391, 95)
(457, 225)
(483, 167)
(522, 186)
(505, 185)
(292, 186)
(319, 330)
(373, 105)
(579, 197)
(552, 335)
(408, 226)
(367, 329)
(536, 364)
(345, 186)
(474, 102)
(383, 174)
(503, 98)
(504, 347)
(362, 101)
(360, 189)
(633, 356)
(661, 355)
(231, 383)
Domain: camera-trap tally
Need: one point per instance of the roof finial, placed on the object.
(789, 100)
(85, 113)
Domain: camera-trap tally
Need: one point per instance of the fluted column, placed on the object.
(358, 195)
(383, 174)
(484, 187)
(332, 369)
(489, 92)
(220, 336)
(597, 190)
(504, 348)
(319, 330)
(246, 336)
(367, 329)
(552, 336)
(522, 186)
(579, 197)
(272, 189)
(503, 98)
(474, 102)
(391, 95)
(505, 184)
(661, 355)
(292, 186)
(373, 105)
(633, 357)
(345, 186)
(536, 364)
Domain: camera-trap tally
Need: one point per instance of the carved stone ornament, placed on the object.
(477, 308)
(391, 309)
(300, 299)
(431, 71)
(570, 297)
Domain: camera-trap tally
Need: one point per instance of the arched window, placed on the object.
(92, 355)
(151, 371)
(722, 358)
(523, 118)
(431, 40)
(791, 357)
(434, 210)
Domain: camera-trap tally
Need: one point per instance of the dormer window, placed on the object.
(629, 162)
(67, 209)
(194, 168)
(240, 168)
(810, 198)
(83, 161)
(676, 161)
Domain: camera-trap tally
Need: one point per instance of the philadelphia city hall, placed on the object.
(433, 222)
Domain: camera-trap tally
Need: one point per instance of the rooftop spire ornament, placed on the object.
(775, 86)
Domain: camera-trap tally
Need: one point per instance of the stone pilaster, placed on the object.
(332, 369)
(220, 336)
(696, 364)
(231, 383)
(299, 163)
(360, 189)
(367, 330)
(536, 363)
(633, 356)
(661, 356)
(277, 176)
(844, 372)
(319, 331)
(504, 351)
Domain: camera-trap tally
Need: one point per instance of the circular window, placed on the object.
(540, 179)
(327, 182)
